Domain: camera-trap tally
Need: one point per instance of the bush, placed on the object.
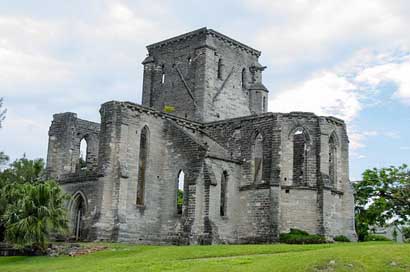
(375, 237)
(341, 238)
(296, 236)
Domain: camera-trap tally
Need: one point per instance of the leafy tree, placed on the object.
(23, 171)
(382, 197)
(30, 208)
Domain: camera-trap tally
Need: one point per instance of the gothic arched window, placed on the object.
(82, 160)
(332, 160)
(142, 165)
(300, 140)
(257, 158)
(78, 209)
(180, 192)
(223, 196)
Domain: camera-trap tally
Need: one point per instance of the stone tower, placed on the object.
(204, 76)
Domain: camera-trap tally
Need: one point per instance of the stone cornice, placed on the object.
(208, 32)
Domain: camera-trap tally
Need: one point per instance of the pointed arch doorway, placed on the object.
(78, 209)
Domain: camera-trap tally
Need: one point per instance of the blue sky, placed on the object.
(345, 58)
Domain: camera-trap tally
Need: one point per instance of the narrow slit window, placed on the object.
(243, 78)
(163, 75)
(220, 67)
(264, 104)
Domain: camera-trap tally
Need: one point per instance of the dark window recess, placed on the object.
(223, 200)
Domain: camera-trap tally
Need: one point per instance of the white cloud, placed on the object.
(24, 57)
(325, 94)
(19, 69)
(72, 63)
(25, 132)
(395, 72)
(311, 31)
(348, 88)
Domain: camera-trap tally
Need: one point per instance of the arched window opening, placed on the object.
(243, 78)
(299, 156)
(180, 192)
(257, 158)
(163, 75)
(220, 67)
(78, 212)
(142, 165)
(332, 160)
(223, 200)
(83, 154)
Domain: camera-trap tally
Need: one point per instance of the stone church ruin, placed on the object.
(201, 161)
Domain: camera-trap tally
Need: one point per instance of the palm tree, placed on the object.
(38, 212)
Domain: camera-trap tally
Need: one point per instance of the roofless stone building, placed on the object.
(245, 175)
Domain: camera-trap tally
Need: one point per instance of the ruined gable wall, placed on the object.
(65, 134)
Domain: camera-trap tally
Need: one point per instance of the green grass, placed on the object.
(370, 256)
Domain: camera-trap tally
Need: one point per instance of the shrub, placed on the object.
(296, 236)
(341, 238)
(375, 237)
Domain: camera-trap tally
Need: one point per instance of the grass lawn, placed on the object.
(371, 256)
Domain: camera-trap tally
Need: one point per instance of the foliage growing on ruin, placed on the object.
(169, 109)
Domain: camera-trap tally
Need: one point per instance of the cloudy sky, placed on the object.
(347, 58)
